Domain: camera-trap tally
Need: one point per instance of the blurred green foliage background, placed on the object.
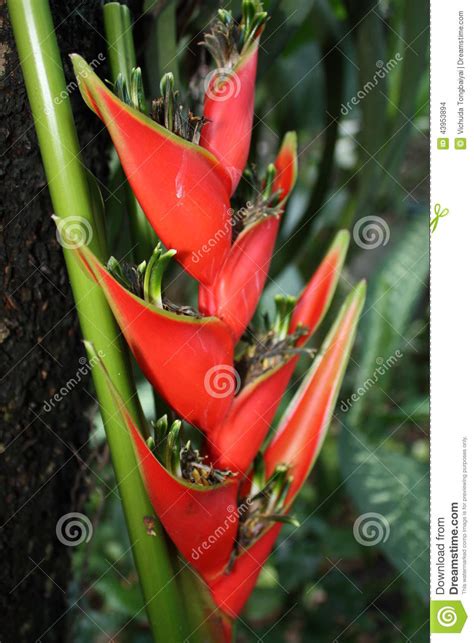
(365, 160)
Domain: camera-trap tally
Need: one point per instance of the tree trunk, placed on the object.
(43, 443)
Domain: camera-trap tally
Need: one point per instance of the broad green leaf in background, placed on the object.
(395, 487)
(393, 292)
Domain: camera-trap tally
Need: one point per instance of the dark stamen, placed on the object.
(227, 39)
(258, 200)
(168, 111)
(264, 505)
(182, 460)
(269, 351)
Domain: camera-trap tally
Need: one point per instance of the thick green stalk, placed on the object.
(117, 51)
(71, 197)
(161, 51)
(122, 58)
(166, 40)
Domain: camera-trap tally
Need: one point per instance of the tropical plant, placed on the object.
(220, 482)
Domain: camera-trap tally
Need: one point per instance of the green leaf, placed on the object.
(390, 302)
(394, 488)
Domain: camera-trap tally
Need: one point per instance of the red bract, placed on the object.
(182, 188)
(201, 521)
(314, 301)
(185, 358)
(237, 287)
(230, 92)
(286, 165)
(236, 441)
(296, 444)
(228, 106)
(231, 591)
(236, 290)
(303, 428)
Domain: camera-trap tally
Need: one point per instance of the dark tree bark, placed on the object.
(43, 454)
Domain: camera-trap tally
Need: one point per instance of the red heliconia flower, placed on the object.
(201, 520)
(238, 285)
(296, 445)
(183, 356)
(230, 92)
(235, 442)
(182, 188)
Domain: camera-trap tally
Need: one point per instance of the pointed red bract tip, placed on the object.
(181, 187)
(315, 299)
(286, 165)
(228, 106)
(303, 428)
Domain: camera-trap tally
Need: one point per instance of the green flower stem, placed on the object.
(122, 58)
(161, 51)
(71, 196)
(118, 49)
(166, 40)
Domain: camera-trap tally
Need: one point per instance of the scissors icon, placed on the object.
(439, 214)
